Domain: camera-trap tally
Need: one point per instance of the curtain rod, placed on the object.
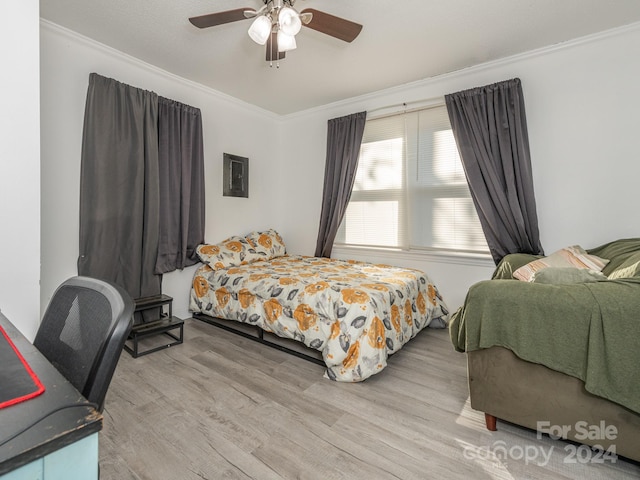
(407, 107)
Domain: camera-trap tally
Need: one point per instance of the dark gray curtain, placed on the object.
(119, 187)
(344, 137)
(181, 165)
(490, 128)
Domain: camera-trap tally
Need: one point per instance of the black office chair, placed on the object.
(83, 331)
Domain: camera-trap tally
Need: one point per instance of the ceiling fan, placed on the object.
(276, 24)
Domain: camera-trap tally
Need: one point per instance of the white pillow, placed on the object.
(566, 275)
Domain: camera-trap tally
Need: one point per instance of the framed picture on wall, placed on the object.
(235, 176)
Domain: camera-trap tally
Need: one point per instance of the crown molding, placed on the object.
(352, 102)
(356, 103)
(117, 54)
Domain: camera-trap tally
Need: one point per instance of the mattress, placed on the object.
(356, 314)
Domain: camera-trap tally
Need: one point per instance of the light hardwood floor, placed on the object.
(223, 407)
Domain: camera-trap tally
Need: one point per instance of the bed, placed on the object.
(559, 353)
(355, 314)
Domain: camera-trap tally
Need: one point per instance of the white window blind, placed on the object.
(410, 190)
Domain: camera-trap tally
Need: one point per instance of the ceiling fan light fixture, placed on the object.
(277, 22)
(286, 42)
(260, 29)
(289, 21)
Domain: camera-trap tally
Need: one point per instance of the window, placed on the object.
(410, 190)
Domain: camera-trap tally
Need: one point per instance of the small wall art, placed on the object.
(235, 176)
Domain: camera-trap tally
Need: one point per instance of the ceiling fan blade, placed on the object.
(251, 13)
(306, 17)
(331, 25)
(272, 48)
(213, 19)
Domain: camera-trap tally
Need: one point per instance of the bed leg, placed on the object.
(490, 421)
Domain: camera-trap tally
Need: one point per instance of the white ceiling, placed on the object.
(401, 42)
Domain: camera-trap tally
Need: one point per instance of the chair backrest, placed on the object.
(83, 331)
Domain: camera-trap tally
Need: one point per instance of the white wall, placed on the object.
(20, 165)
(583, 114)
(229, 126)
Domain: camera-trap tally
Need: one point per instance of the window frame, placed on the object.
(455, 255)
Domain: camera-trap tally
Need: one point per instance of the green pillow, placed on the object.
(629, 268)
(618, 252)
(566, 275)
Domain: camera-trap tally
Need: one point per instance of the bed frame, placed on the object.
(507, 388)
(255, 333)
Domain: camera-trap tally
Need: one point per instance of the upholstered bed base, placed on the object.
(507, 388)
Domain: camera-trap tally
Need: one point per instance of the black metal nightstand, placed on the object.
(165, 325)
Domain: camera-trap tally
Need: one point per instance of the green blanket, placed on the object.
(590, 331)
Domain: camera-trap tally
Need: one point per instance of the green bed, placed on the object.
(587, 334)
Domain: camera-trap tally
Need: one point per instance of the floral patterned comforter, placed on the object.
(355, 313)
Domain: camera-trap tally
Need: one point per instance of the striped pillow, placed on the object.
(574, 256)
